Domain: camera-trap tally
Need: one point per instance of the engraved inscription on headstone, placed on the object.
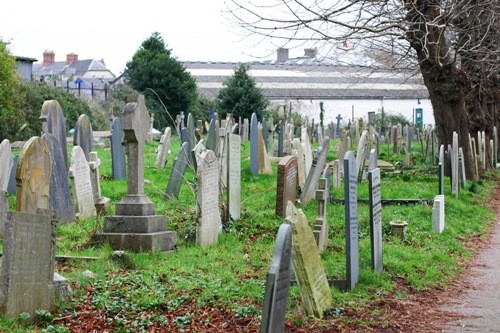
(234, 177)
(79, 173)
(286, 189)
(375, 199)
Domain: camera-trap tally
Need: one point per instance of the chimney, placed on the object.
(282, 55)
(70, 57)
(310, 53)
(48, 57)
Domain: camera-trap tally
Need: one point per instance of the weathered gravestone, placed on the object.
(163, 148)
(336, 174)
(118, 163)
(254, 145)
(244, 131)
(298, 152)
(264, 161)
(84, 135)
(286, 188)
(351, 219)
(438, 214)
(315, 172)
(53, 122)
(211, 142)
(441, 169)
(363, 145)
(27, 277)
(307, 265)
(11, 187)
(306, 145)
(321, 227)
(196, 153)
(234, 177)
(6, 163)
(33, 172)
(455, 188)
(101, 203)
(207, 200)
(177, 173)
(79, 173)
(136, 226)
(277, 283)
(185, 140)
(461, 168)
(375, 199)
(60, 195)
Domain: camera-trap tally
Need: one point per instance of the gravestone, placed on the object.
(207, 199)
(234, 177)
(6, 163)
(53, 122)
(315, 172)
(265, 134)
(286, 188)
(438, 214)
(191, 130)
(336, 174)
(339, 118)
(326, 175)
(185, 140)
(4, 208)
(118, 163)
(254, 145)
(461, 168)
(211, 141)
(264, 161)
(375, 199)
(372, 165)
(163, 148)
(196, 153)
(297, 152)
(33, 172)
(177, 173)
(136, 227)
(101, 203)
(363, 145)
(278, 283)
(83, 136)
(27, 276)
(306, 145)
(321, 227)
(60, 196)
(11, 187)
(307, 265)
(281, 138)
(244, 131)
(441, 169)
(454, 166)
(351, 219)
(79, 173)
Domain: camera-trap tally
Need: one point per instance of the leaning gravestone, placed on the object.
(118, 163)
(207, 200)
(27, 277)
(60, 195)
(196, 153)
(254, 145)
(286, 189)
(277, 283)
(177, 173)
(53, 122)
(234, 177)
(33, 171)
(375, 199)
(314, 173)
(84, 136)
(79, 173)
(163, 148)
(307, 265)
(6, 163)
(321, 227)
(351, 219)
(136, 226)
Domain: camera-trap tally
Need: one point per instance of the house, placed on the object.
(303, 83)
(24, 67)
(71, 69)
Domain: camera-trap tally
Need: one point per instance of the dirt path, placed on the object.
(479, 303)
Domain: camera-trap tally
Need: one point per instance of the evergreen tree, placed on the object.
(240, 96)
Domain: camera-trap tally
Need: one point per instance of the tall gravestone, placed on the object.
(278, 283)
(351, 219)
(83, 136)
(254, 145)
(321, 227)
(234, 177)
(441, 169)
(286, 189)
(177, 173)
(4, 209)
(298, 152)
(79, 173)
(163, 148)
(118, 163)
(363, 145)
(27, 276)
(6, 163)
(306, 146)
(307, 265)
(438, 214)
(60, 195)
(136, 226)
(375, 200)
(53, 122)
(263, 157)
(211, 141)
(207, 199)
(33, 172)
(455, 188)
(315, 172)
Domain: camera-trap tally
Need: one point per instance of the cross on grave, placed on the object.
(339, 118)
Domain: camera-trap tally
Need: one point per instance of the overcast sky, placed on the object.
(195, 30)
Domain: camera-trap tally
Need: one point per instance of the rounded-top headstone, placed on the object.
(84, 135)
(54, 122)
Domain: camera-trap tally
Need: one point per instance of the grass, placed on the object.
(231, 275)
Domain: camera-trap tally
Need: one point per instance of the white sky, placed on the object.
(195, 30)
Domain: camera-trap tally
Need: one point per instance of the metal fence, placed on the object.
(93, 90)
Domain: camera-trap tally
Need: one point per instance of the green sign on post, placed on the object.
(419, 117)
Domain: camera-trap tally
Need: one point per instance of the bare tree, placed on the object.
(453, 43)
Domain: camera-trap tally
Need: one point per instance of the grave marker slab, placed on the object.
(234, 177)
(298, 152)
(314, 173)
(321, 227)
(118, 163)
(163, 148)
(454, 165)
(6, 163)
(375, 199)
(211, 141)
(254, 145)
(79, 173)
(438, 214)
(11, 187)
(101, 203)
(351, 219)
(83, 136)
(196, 153)
(277, 283)
(4, 208)
(264, 161)
(441, 169)
(286, 189)
(54, 122)
(306, 145)
(177, 173)
(307, 265)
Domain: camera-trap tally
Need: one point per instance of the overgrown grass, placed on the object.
(231, 275)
